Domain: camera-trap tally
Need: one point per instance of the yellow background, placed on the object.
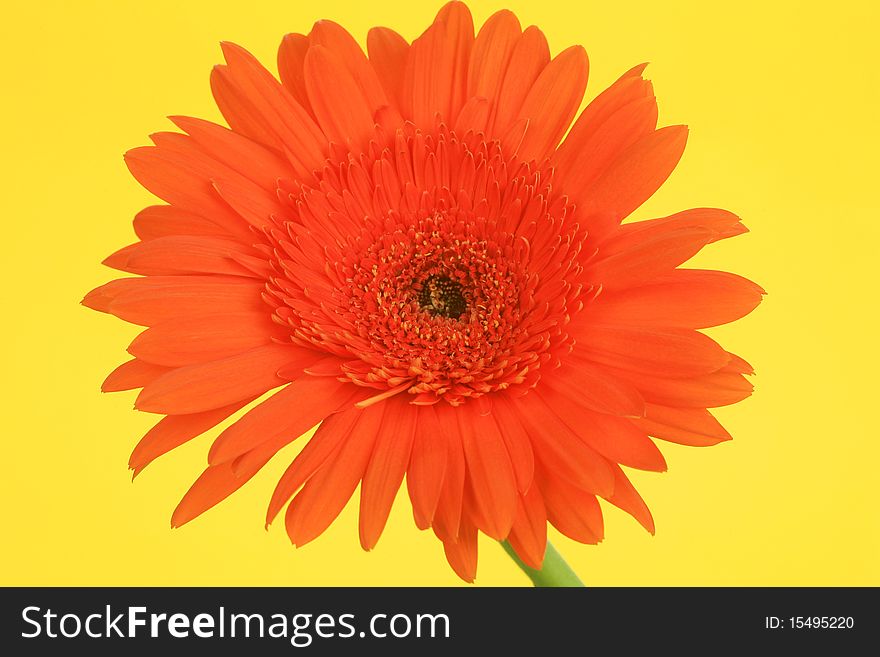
(782, 101)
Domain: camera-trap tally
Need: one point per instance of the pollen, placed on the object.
(440, 295)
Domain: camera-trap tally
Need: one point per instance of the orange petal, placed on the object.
(448, 517)
(666, 352)
(686, 426)
(132, 374)
(591, 386)
(427, 466)
(554, 444)
(461, 553)
(572, 511)
(245, 156)
(552, 102)
(519, 448)
(240, 112)
(491, 55)
(722, 223)
(460, 40)
(274, 108)
(632, 178)
(102, 296)
(202, 387)
(683, 298)
(626, 497)
(436, 75)
(640, 261)
(384, 474)
(338, 103)
(291, 55)
(530, 55)
(217, 483)
(338, 41)
(615, 438)
(388, 55)
(180, 254)
(156, 299)
(529, 533)
(705, 391)
(165, 220)
(474, 116)
(174, 430)
(327, 491)
(613, 121)
(172, 177)
(256, 207)
(332, 432)
(290, 412)
(489, 472)
(198, 339)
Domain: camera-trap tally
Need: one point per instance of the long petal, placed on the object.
(552, 102)
(338, 103)
(573, 511)
(436, 76)
(291, 56)
(427, 466)
(626, 497)
(491, 55)
(337, 40)
(529, 57)
(554, 444)
(683, 298)
(332, 433)
(199, 339)
(252, 160)
(706, 391)
(288, 413)
(269, 103)
(617, 439)
(388, 55)
(659, 352)
(384, 474)
(489, 472)
(590, 147)
(642, 261)
(181, 254)
(132, 374)
(217, 483)
(448, 517)
(590, 385)
(722, 223)
(327, 491)
(165, 220)
(205, 386)
(686, 426)
(529, 533)
(174, 430)
(632, 178)
(155, 299)
(461, 553)
(176, 179)
(519, 448)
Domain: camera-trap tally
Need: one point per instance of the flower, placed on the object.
(401, 249)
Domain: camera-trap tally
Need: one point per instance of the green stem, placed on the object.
(555, 571)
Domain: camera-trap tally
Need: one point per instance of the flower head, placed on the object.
(415, 253)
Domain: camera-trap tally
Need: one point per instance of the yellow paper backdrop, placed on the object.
(782, 101)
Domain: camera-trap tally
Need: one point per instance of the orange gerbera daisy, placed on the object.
(401, 246)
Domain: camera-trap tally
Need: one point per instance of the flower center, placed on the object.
(431, 265)
(440, 295)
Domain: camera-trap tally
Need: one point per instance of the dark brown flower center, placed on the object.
(440, 295)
